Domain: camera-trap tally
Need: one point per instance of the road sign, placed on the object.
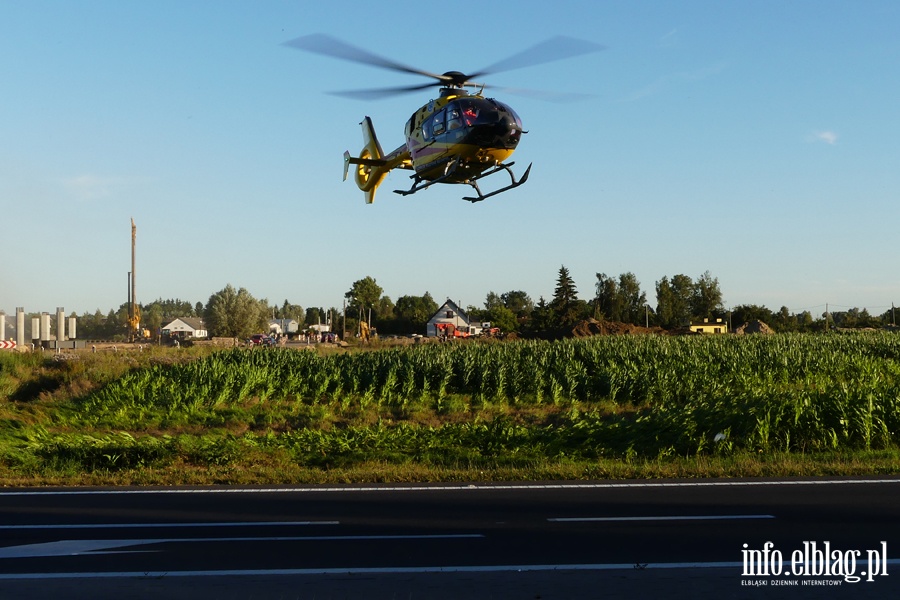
(7, 345)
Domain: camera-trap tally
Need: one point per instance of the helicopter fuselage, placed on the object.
(468, 133)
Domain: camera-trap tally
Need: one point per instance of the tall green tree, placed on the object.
(518, 302)
(492, 300)
(363, 295)
(172, 308)
(314, 316)
(745, 313)
(542, 317)
(634, 301)
(384, 311)
(502, 317)
(673, 298)
(290, 311)
(413, 312)
(620, 300)
(236, 313)
(606, 300)
(566, 307)
(152, 318)
(706, 297)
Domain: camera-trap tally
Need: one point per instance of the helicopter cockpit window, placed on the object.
(470, 114)
(453, 119)
(478, 112)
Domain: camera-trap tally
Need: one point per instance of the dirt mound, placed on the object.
(754, 327)
(590, 327)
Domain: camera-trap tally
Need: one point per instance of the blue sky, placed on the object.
(755, 140)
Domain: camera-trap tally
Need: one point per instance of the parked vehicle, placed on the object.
(261, 339)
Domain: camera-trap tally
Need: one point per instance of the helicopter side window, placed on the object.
(437, 124)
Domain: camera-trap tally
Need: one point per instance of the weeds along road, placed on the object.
(680, 539)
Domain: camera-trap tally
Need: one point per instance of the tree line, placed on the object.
(680, 299)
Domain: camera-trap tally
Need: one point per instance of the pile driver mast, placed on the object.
(134, 313)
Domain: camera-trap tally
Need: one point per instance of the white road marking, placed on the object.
(659, 518)
(167, 525)
(444, 488)
(79, 547)
(380, 570)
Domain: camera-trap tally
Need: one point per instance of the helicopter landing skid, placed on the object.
(418, 184)
(501, 167)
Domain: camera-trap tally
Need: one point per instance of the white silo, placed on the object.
(45, 327)
(20, 326)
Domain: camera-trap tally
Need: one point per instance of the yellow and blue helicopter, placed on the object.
(459, 137)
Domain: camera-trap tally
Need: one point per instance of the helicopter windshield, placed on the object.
(478, 111)
(471, 112)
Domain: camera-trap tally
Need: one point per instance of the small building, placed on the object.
(708, 326)
(186, 327)
(451, 321)
(284, 326)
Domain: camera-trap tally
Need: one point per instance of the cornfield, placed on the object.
(614, 396)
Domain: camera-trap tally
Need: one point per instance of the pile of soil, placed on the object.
(590, 327)
(754, 327)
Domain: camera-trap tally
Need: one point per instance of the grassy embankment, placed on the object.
(605, 407)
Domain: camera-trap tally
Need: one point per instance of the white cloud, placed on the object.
(669, 40)
(89, 187)
(829, 137)
(94, 187)
(674, 79)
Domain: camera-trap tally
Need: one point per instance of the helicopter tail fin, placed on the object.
(371, 166)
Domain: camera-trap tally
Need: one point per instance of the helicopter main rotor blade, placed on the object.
(543, 95)
(556, 48)
(319, 43)
(379, 93)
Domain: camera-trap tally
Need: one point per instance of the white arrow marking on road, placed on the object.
(166, 525)
(66, 548)
(79, 547)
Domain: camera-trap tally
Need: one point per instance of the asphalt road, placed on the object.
(709, 539)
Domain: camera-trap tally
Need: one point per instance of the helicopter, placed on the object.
(458, 137)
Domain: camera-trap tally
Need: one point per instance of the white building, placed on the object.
(186, 327)
(451, 321)
(283, 326)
